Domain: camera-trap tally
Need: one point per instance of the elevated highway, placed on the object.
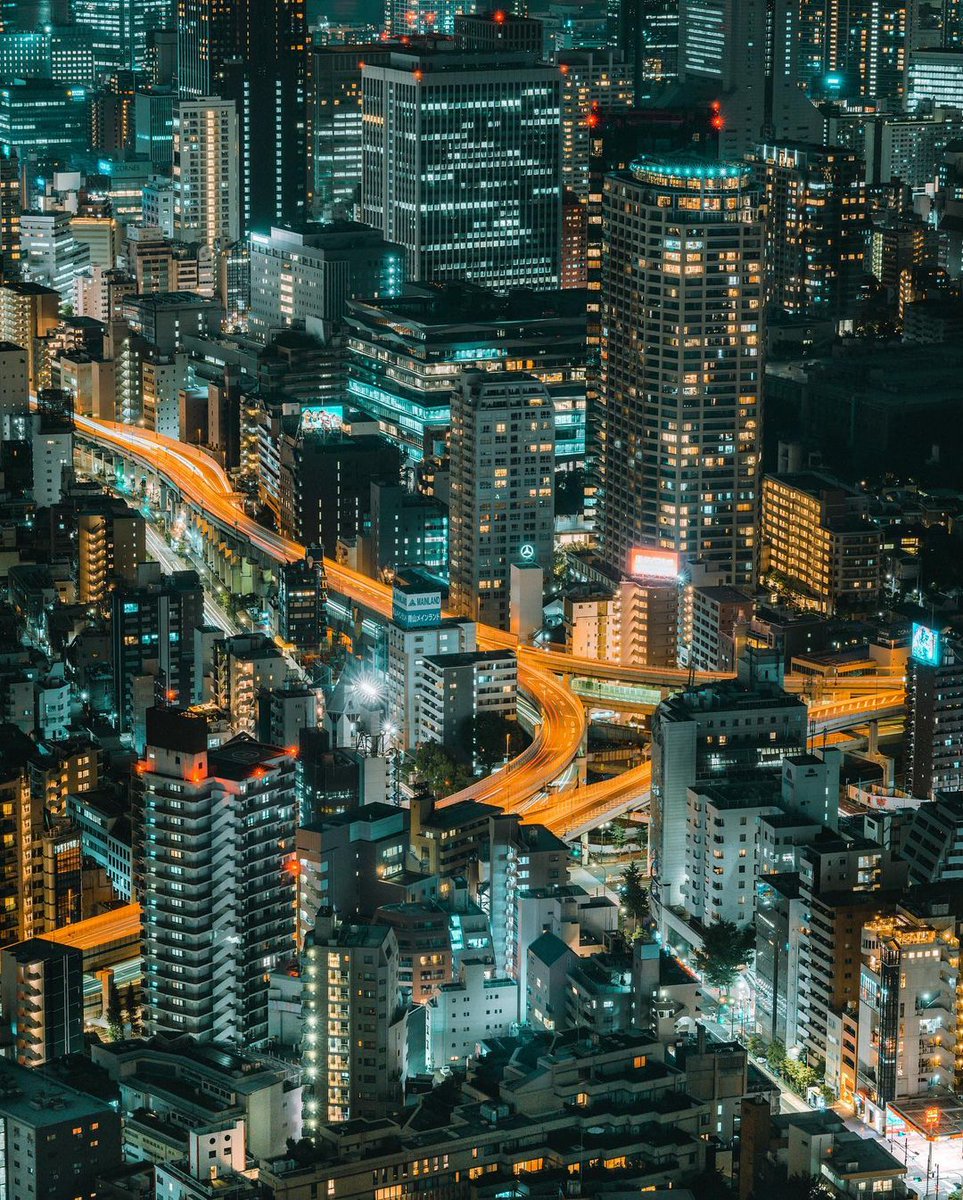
(544, 781)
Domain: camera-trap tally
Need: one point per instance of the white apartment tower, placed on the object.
(682, 369)
(217, 831)
(354, 1034)
(502, 488)
(207, 206)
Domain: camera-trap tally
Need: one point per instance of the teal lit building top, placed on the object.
(684, 172)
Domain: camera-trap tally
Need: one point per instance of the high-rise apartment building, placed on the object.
(110, 547)
(682, 370)
(14, 392)
(152, 628)
(703, 736)
(845, 881)
(817, 223)
(355, 1030)
(243, 666)
(935, 728)
(909, 1002)
(22, 816)
(216, 830)
(502, 489)
(458, 689)
(869, 47)
(28, 312)
(207, 206)
(41, 986)
(10, 208)
(591, 80)
(255, 54)
(462, 163)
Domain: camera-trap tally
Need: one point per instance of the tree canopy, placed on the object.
(726, 949)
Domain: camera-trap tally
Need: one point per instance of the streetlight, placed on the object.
(932, 1120)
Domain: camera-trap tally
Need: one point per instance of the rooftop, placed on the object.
(442, 306)
(726, 695)
(38, 1101)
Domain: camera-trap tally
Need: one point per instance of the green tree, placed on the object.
(805, 1187)
(756, 1044)
(493, 735)
(438, 770)
(776, 1055)
(709, 1184)
(115, 1012)
(633, 891)
(132, 1009)
(726, 949)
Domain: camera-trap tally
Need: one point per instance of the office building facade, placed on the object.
(311, 273)
(502, 489)
(406, 357)
(461, 165)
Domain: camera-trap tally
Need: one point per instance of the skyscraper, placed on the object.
(41, 985)
(336, 123)
(646, 35)
(10, 208)
(502, 489)
(748, 52)
(256, 53)
(215, 830)
(462, 165)
(935, 727)
(209, 34)
(817, 223)
(682, 295)
(120, 29)
(206, 184)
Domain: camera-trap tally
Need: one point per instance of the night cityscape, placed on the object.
(481, 600)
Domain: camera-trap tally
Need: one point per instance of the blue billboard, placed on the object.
(925, 646)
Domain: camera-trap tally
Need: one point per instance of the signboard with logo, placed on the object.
(654, 563)
(416, 610)
(925, 646)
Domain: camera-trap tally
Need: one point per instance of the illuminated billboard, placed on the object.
(654, 564)
(925, 647)
(322, 420)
